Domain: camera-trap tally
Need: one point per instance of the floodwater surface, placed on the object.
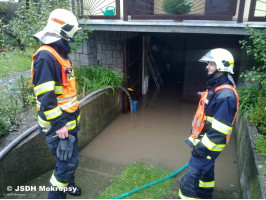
(156, 135)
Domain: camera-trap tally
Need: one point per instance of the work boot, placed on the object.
(77, 191)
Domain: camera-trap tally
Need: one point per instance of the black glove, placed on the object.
(195, 153)
(65, 148)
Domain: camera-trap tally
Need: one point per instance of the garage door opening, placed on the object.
(174, 58)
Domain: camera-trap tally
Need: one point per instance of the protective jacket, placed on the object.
(211, 130)
(213, 121)
(57, 103)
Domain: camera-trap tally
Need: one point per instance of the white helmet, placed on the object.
(61, 24)
(223, 59)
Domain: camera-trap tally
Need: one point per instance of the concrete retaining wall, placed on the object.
(251, 167)
(32, 158)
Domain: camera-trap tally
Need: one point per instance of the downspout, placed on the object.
(15, 142)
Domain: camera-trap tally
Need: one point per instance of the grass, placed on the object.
(136, 175)
(14, 61)
(260, 144)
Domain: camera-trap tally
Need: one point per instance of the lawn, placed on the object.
(15, 61)
(137, 175)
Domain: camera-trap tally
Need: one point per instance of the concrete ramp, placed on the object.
(93, 176)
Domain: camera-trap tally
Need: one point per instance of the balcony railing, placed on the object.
(202, 10)
(225, 10)
(257, 10)
(97, 9)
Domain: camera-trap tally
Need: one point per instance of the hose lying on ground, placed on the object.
(152, 183)
(15, 142)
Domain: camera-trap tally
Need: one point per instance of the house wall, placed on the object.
(102, 48)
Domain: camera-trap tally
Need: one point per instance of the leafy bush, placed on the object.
(7, 10)
(4, 127)
(182, 7)
(91, 78)
(252, 96)
(27, 22)
(14, 99)
(31, 17)
(258, 117)
(10, 106)
(136, 175)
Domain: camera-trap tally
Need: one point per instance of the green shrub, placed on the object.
(14, 99)
(10, 106)
(252, 96)
(7, 10)
(182, 7)
(136, 175)
(4, 126)
(91, 78)
(258, 117)
(248, 98)
(260, 144)
(31, 17)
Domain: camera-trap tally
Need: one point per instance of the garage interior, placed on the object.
(173, 58)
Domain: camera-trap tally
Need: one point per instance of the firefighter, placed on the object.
(211, 126)
(57, 104)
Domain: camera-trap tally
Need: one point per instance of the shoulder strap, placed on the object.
(234, 90)
(62, 61)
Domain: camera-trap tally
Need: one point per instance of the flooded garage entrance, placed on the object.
(155, 135)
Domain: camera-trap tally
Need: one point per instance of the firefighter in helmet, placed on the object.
(211, 126)
(57, 104)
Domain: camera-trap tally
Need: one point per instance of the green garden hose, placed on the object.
(152, 183)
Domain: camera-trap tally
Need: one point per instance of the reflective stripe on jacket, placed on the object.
(67, 101)
(215, 127)
(57, 105)
(200, 118)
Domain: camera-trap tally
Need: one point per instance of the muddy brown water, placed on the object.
(155, 134)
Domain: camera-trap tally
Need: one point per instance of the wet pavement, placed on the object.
(155, 135)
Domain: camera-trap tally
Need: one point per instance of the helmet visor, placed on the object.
(46, 37)
(207, 58)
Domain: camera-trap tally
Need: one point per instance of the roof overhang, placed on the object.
(163, 26)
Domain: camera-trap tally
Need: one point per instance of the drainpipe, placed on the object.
(15, 142)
